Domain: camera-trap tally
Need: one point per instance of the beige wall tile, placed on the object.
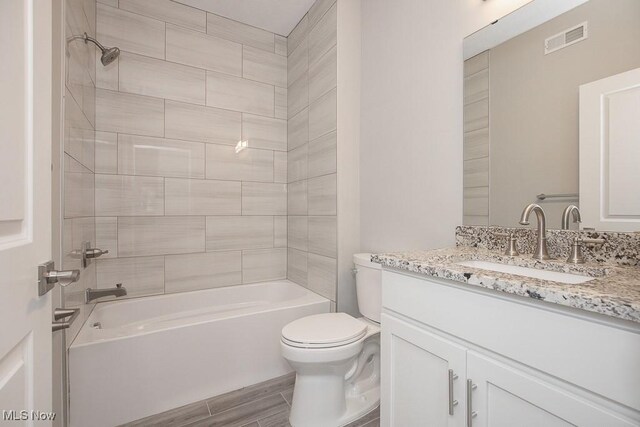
(106, 152)
(476, 87)
(321, 275)
(249, 165)
(322, 195)
(168, 11)
(129, 195)
(141, 276)
(201, 197)
(298, 62)
(79, 191)
(196, 123)
(107, 236)
(142, 155)
(323, 74)
(141, 236)
(323, 35)
(297, 34)
(162, 79)
(476, 172)
(297, 198)
(476, 201)
(129, 113)
(477, 63)
(239, 32)
(264, 132)
(323, 115)
(239, 232)
(203, 51)
(323, 235)
(476, 115)
(297, 266)
(79, 135)
(106, 75)
(297, 163)
(192, 272)
(281, 103)
(280, 45)
(264, 264)
(297, 229)
(297, 96)
(261, 198)
(131, 32)
(279, 166)
(298, 129)
(263, 66)
(279, 231)
(323, 155)
(238, 94)
(317, 11)
(476, 144)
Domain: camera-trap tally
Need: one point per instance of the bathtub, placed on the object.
(152, 354)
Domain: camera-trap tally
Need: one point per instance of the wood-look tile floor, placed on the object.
(261, 405)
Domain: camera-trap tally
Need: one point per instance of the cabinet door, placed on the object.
(415, 377)
(507, 397)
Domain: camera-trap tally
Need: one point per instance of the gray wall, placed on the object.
(177, 208)
(534, 104)
(312, 145)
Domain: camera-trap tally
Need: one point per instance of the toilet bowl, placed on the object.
(337, 359)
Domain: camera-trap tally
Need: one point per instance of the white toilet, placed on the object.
(337, 357)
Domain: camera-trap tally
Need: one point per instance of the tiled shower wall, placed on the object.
(312, 113)
(175, 205)
(78, 162)
(476, 140)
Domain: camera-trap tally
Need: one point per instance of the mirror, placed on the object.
(522, 79)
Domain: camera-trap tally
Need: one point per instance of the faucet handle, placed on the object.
(118, 285)
(511, 248)
(576, 256)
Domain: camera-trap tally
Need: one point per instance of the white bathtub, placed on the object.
(157, 353)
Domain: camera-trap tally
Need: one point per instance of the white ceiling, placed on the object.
(277, 16)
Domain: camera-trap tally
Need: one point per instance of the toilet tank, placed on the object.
(368, 286)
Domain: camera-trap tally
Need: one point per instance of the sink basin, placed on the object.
(553, 276)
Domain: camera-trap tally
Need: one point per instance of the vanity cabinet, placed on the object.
(514, 362)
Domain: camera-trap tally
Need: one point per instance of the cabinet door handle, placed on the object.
(470, 412)
(452, 403)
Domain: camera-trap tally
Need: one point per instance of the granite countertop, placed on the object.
(615, 291)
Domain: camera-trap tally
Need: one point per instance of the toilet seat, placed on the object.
(324, 331)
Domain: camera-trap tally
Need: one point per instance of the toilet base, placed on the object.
(358, 407)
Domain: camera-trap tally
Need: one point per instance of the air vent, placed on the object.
(566, 38)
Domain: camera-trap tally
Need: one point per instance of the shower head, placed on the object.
(109, 54)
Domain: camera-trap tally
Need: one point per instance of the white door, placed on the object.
(415, 377)
(610, 152)
(25, 208)
(507, 397)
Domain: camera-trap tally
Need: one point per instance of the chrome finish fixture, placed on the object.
(471, 414)
(92, 294)
(95, 253)
(86, 253)
(541, 247)
(452, 403)
(576, 256)
(543, 196)
(48, 277)
(511, 248)
(63, 313)
(570, 210)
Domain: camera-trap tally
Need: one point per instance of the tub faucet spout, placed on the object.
(92, 294)
(541, 246)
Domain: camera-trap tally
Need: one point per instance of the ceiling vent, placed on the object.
(566, 38)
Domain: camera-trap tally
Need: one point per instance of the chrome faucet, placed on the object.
(541, 247)
(92, 294)
(570, 210)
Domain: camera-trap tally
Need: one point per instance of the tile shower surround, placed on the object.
(175, 206)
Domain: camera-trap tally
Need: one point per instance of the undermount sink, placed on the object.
(553, 276)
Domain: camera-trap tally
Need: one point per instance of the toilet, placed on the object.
(337, 357)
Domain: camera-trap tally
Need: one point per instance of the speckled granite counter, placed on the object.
(615, 291)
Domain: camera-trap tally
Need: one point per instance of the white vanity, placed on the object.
(496, 358)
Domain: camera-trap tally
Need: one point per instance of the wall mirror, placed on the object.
(550, 95)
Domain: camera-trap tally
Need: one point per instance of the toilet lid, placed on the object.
(324, 330)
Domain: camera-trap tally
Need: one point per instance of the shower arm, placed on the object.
(86, 39)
